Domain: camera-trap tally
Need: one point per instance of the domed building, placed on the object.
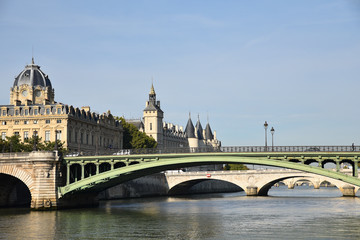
(34, 111)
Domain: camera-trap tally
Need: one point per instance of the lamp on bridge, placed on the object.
(272, 137)
(56, 143)
(35, 140)
(266, 126)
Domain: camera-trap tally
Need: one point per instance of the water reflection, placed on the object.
(302, 213)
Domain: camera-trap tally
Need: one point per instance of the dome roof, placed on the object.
(32, 76)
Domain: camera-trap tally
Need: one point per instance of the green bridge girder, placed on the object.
(135, 166)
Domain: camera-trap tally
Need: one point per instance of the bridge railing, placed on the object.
(206, 149)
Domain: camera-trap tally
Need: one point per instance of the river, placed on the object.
(301, 213)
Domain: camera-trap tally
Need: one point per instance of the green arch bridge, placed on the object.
(89, 174)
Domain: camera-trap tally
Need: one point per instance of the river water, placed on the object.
(301, 213)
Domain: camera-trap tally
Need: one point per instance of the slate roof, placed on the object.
(190, 130)
(208, 133)
(199, 130)
(32, 76)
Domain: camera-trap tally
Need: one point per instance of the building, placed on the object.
(34, 111)
(169, 135)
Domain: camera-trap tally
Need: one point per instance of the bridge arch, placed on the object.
(184, 187)
(15, 181)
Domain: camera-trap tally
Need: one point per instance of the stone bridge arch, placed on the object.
(11, 179)
(256, 183)
(216, 185)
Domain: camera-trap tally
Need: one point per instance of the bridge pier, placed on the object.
(348, 191)
(251, 191)
(79, 200)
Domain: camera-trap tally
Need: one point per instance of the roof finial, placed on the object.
(189, 115)
(32, 56)
(152, 90)
(198, 117)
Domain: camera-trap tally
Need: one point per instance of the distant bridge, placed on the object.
(253, 182)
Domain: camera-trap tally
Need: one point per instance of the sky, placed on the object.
(236, 64)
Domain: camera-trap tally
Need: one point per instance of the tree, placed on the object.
(14, 144)
(133, 138)
(237, 166)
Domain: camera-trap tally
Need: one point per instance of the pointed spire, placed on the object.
(199, 129)
(208, 132)
(32, 61)
(152, 90)
(190, 130)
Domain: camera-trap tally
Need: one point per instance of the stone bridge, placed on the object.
(253, 182)
(30, 179)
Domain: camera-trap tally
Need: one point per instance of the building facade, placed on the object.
(169, 135)
(34, 111)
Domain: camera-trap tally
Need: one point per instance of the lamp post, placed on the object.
(266, 126)
(272, 137)
(56, 144)
(35, 140)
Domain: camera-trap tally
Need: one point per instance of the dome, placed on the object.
(32, 76)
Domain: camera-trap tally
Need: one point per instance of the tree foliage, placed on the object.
(133, 138)
(14, 144)
(235, 167)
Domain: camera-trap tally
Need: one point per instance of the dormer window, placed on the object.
(48, 111)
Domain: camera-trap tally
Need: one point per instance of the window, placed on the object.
(59, 111)
(16, 112)
(3, 135)
(76, 137)
(150, 126)
(69, 137)
(35, 121)
(58, 135)
(47, 121)
(87, 138)
(4, 112)
(26, 122)
(16, 133)
(48, 111)
(81, 138)
(47, 136)
(92, 139)
(35, 133)
(16, 122)
(3, 122)
(26, 135)
(58, 121)
(35, 112)
(26, 112)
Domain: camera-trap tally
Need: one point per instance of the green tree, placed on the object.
(134, 139)
(14, 144)
(237, 166)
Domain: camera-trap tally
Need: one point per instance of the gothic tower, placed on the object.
(153, 118)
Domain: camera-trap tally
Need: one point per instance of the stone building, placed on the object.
(34, 111)
(169, 135)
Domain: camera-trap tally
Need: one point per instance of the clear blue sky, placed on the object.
(295, 64)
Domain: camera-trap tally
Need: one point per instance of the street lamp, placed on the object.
(34, 139)
(266, 126)
(272, 137)
(56, 144)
